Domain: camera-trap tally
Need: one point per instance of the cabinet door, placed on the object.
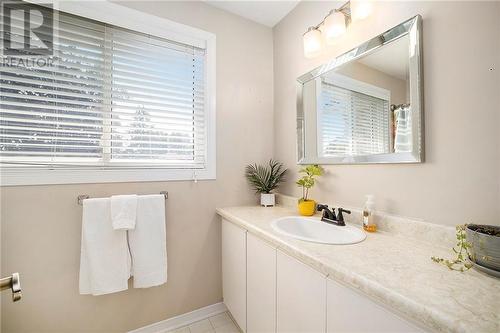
(301, 297)
(261, 286)
(349, 312)
(234, 273)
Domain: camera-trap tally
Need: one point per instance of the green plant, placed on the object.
(462, 261)
(265, 178)
(307, 181)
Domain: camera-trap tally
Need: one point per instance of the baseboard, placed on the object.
(183, 319)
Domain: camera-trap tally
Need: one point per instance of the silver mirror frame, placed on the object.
(412, 28)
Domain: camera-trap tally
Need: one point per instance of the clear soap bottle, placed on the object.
(368, 215)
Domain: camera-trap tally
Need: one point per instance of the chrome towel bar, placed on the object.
(82, 197)
(13, 282)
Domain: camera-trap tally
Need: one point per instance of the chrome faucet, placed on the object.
(330, 217)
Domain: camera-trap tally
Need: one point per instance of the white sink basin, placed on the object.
(314, 230)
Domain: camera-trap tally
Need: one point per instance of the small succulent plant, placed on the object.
(265, 178)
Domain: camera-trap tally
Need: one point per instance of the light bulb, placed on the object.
(334, 26)
(361, 9)
(312, 42)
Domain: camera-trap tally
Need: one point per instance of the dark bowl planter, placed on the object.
(485, 242)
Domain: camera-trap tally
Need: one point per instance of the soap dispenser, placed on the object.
(368, 214)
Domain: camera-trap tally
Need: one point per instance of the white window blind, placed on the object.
(114, 98)
(351, 123)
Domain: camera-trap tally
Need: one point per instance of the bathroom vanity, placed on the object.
(387, 283)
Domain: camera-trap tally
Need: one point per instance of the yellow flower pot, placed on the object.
(307, 208)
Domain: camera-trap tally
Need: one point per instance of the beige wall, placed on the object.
(459, 182)
(41, 224)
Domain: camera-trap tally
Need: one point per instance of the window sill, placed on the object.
(53, 177)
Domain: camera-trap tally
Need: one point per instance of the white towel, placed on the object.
(148, 244)
(123, 211)
(105, 258)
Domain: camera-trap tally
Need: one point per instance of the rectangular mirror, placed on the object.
(365, 106)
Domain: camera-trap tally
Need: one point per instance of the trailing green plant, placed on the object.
(307, 181)
(265, 178)
(462, 261)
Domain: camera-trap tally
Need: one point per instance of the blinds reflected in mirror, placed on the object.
(351, 123)
(113, 98)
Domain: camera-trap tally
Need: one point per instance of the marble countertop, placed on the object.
(392, 269)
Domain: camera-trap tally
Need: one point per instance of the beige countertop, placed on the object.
(394, 270)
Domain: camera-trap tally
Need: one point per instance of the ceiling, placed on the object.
(268, 13)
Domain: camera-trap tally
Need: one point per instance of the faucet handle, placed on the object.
(327, 213)
(320, 207)
(324, 208)
(341, 210)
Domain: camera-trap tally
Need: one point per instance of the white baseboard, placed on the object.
(183, 319)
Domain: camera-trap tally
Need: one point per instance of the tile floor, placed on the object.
(221, 323)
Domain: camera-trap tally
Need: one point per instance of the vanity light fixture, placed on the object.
(333, 26)
(361, 9)
(313, 42)
(335, 23)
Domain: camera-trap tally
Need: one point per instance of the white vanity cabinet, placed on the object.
(267, 291)
(351, 312)
(301, 297)
(234, 271)
(261, 286)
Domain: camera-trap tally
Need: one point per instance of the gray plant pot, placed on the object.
(485, 248)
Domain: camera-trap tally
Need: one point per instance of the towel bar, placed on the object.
(82, 197)
(13, 283)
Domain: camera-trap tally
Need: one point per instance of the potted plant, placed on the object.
(264, 179)
(306, 206)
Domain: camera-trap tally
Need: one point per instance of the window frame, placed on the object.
(132, 19)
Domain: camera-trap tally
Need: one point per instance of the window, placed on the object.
(114, 99)
(352, 120)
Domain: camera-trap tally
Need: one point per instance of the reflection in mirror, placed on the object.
(361, 110)
(356, 101)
